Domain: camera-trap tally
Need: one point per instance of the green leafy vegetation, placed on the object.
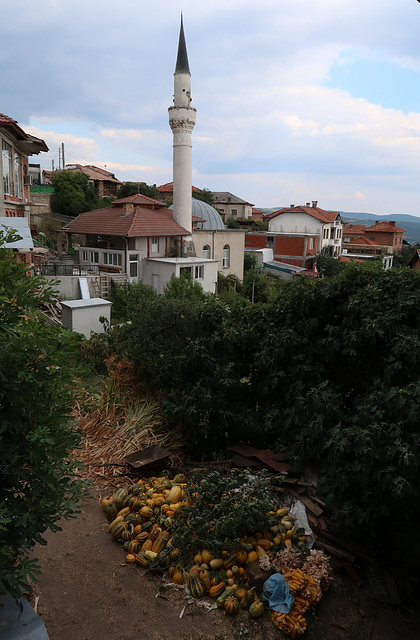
(133, 188)
(221, 509)
(38, 480)
(205, 195)
(327, 367)
(73, 193)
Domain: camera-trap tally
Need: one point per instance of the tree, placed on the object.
(38, 484)
(326, 263)
(328, 367)
(402, 258)
(73, 193)
(205, 195)
(132, 188)
(183, 287)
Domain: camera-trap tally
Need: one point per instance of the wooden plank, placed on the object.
(338, 553)
(309, 504)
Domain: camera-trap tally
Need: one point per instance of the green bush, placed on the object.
(38, 484)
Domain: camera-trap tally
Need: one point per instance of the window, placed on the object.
(17, 175)
(234, 212)
(155, 244)
(113, 259)
(199, 272)
(6, 156)
(226, 255)
(206, 251)
(310, 244)
(94, 257)
(84, 255)
(186, 271)
(326, 233)
(270, 242)
(332, 234)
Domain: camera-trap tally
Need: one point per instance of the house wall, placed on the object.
(157, 273)
(216, 240)
(305, 224)
(290, 248)
(233, 210)
(13, 199)
(388, 239)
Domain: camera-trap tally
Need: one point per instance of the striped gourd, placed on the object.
(195, 586)
(160, 542)
(217, 589)
(141, 560)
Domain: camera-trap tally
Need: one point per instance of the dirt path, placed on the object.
(87, 592)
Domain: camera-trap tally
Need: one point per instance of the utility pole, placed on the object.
(62, 155)
(59, 158)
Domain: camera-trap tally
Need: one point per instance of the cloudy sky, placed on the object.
(296, 101)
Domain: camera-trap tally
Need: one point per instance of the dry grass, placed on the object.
(117, 423)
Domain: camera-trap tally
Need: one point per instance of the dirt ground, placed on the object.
(87, 591)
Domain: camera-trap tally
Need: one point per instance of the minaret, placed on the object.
(182, 121)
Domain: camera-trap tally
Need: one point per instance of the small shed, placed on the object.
(84, 316)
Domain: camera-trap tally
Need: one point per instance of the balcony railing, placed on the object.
(65, 269)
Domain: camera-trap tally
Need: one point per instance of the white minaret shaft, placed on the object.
(182, 121)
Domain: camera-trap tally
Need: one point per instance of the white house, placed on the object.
(309, 219)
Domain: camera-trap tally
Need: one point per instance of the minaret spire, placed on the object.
(182, 121)
(182, 65)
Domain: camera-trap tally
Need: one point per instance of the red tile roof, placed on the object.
(93, 173)
(169, 187)
(386, 226)
(315, 212)
(6, 121)
(113, 221)
(361, 240)
(354, 228)
(140, 199)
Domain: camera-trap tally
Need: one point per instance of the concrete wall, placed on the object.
(216, 240)
(69, 289)
(158, 272)
(83, 316)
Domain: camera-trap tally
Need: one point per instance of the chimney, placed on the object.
(128, 207)
(308, 204)
(291, 206)
(314, 203)
(392, 222)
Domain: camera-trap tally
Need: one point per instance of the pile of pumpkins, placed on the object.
(142, 518)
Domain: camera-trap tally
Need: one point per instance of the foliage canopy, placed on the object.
(37, 478)
(73, 193)
(328, 367)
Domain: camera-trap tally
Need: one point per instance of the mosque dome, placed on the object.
(211, 219)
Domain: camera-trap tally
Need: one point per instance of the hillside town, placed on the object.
(212, 407)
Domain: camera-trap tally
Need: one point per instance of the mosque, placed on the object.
(140, 237)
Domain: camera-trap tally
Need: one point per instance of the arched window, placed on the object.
(206, 251)
(226, 255)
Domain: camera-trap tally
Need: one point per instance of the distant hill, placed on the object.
(410, 223)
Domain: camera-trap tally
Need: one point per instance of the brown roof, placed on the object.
(39, 144)
(94, 173)
(386, 226)
(315, 212)
(169, 187)
(140, 199)
(113, 221)
(6, 121)
(362, 240)
(354, 228)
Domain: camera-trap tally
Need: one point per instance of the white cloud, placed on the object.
(267, 127)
